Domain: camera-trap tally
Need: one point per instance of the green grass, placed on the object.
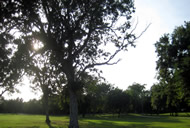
(99, 121)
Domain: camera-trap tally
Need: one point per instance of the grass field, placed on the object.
(99, 121)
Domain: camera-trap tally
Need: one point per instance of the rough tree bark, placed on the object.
(72, 85)
(73, 109)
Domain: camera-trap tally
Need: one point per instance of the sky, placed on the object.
(137, 65)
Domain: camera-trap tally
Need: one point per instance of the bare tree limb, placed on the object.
(135, 27)
(103, 63)
(143, 31)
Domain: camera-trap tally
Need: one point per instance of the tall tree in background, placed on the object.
(118, 101)
(180, 53)
(173, 65)
(137, 93)
(75, 32)
(45, 77)
(158, 97)
(94, 96)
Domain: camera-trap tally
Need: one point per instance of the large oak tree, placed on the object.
(79, 34)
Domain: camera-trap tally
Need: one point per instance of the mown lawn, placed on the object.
(99, 121)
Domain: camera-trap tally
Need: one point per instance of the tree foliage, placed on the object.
(118, 101)
(158, 98)
(173, 52)
(137, 94)
(9, 69)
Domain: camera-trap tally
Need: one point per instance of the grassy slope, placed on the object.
(106, 121)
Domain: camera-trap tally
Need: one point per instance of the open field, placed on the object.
(99, 121)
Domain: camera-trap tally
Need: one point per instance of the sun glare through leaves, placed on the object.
(37, 45)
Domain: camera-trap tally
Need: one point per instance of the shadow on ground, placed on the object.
(132, 118)
(50, 126)
(127, 122)
(33, 127)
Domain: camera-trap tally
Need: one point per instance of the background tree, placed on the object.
(158, 98)
(137, 94)
(94, 97)
(75, 32)
(146, 102)
(46, 78)
(12, 106)
(180, 54)
(173, 53)
(165, 69)
(118, 101)
(33, 106)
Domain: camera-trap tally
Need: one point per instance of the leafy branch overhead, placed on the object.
(75, 31)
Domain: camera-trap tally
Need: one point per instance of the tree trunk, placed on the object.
(47, 113)
(119, 113)
(73, 110)
(46, 104)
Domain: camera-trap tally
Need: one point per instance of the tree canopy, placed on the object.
(173, 65)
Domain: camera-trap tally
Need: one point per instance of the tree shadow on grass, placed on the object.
(115, 125)
(139, 119)
(33, 127)
(50, 126)
(127, 122)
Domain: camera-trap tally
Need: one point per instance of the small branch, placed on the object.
(136, 37)
(143, 31)
(103, 63)
(6, 89)
(135, 27)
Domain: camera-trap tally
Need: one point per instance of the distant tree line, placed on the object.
(18, 106)
(98, 98)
